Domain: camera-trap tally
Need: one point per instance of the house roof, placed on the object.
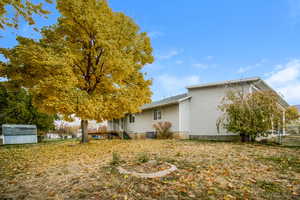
(220, 83)
(181, 97)
(164, 102)
(238, 81)
(282, 101)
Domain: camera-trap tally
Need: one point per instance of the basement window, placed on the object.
(157, 114)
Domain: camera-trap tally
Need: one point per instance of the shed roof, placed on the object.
(18, 126)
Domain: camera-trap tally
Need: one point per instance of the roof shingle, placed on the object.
(164, 102)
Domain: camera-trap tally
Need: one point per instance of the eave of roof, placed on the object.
(253, 79)
(245, 80)
(166, 102)
(282, 100)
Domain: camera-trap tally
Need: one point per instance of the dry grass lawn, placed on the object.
(206, 170)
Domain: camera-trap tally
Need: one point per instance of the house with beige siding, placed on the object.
(193, 115)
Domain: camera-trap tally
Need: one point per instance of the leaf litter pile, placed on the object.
(206, 170)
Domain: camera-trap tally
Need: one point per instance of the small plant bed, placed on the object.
(150, 169)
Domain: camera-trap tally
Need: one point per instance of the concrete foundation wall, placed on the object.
(215, 137)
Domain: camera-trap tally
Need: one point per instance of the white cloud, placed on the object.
(291, 93)
(201, 65)
(204, 65)
(248, 68)
(286, 80)
(155, 34)
(286, 73)
(209, 57)
(169, 55)
(168, 85)
(179, 62)
(294, 8)
(244, 69)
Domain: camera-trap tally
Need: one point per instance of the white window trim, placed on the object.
(155, 115)
(132, 116)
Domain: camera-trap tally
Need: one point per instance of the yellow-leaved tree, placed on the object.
(88, 65)
(11, 10)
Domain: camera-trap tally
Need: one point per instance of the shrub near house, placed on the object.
(253, 114)
(163, 130)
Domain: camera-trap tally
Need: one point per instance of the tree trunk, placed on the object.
(252, 139)
(84, 129)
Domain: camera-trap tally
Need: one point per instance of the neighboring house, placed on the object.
(92, 126)
(193, 115)
(54, 136)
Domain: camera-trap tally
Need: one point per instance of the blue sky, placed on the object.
(212, 40)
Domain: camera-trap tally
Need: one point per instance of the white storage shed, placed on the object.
(18, 134)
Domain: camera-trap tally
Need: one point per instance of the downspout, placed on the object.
(283, 123)
(272, 125)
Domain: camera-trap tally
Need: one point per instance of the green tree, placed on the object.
(250, 115)
(11, 10)
(88, 65)
(16, 108)
(292, 114)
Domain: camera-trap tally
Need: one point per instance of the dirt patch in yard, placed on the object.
(147, 167)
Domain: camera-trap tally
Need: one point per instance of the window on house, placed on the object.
(131, 118)
(116, 124)
(157, 114)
